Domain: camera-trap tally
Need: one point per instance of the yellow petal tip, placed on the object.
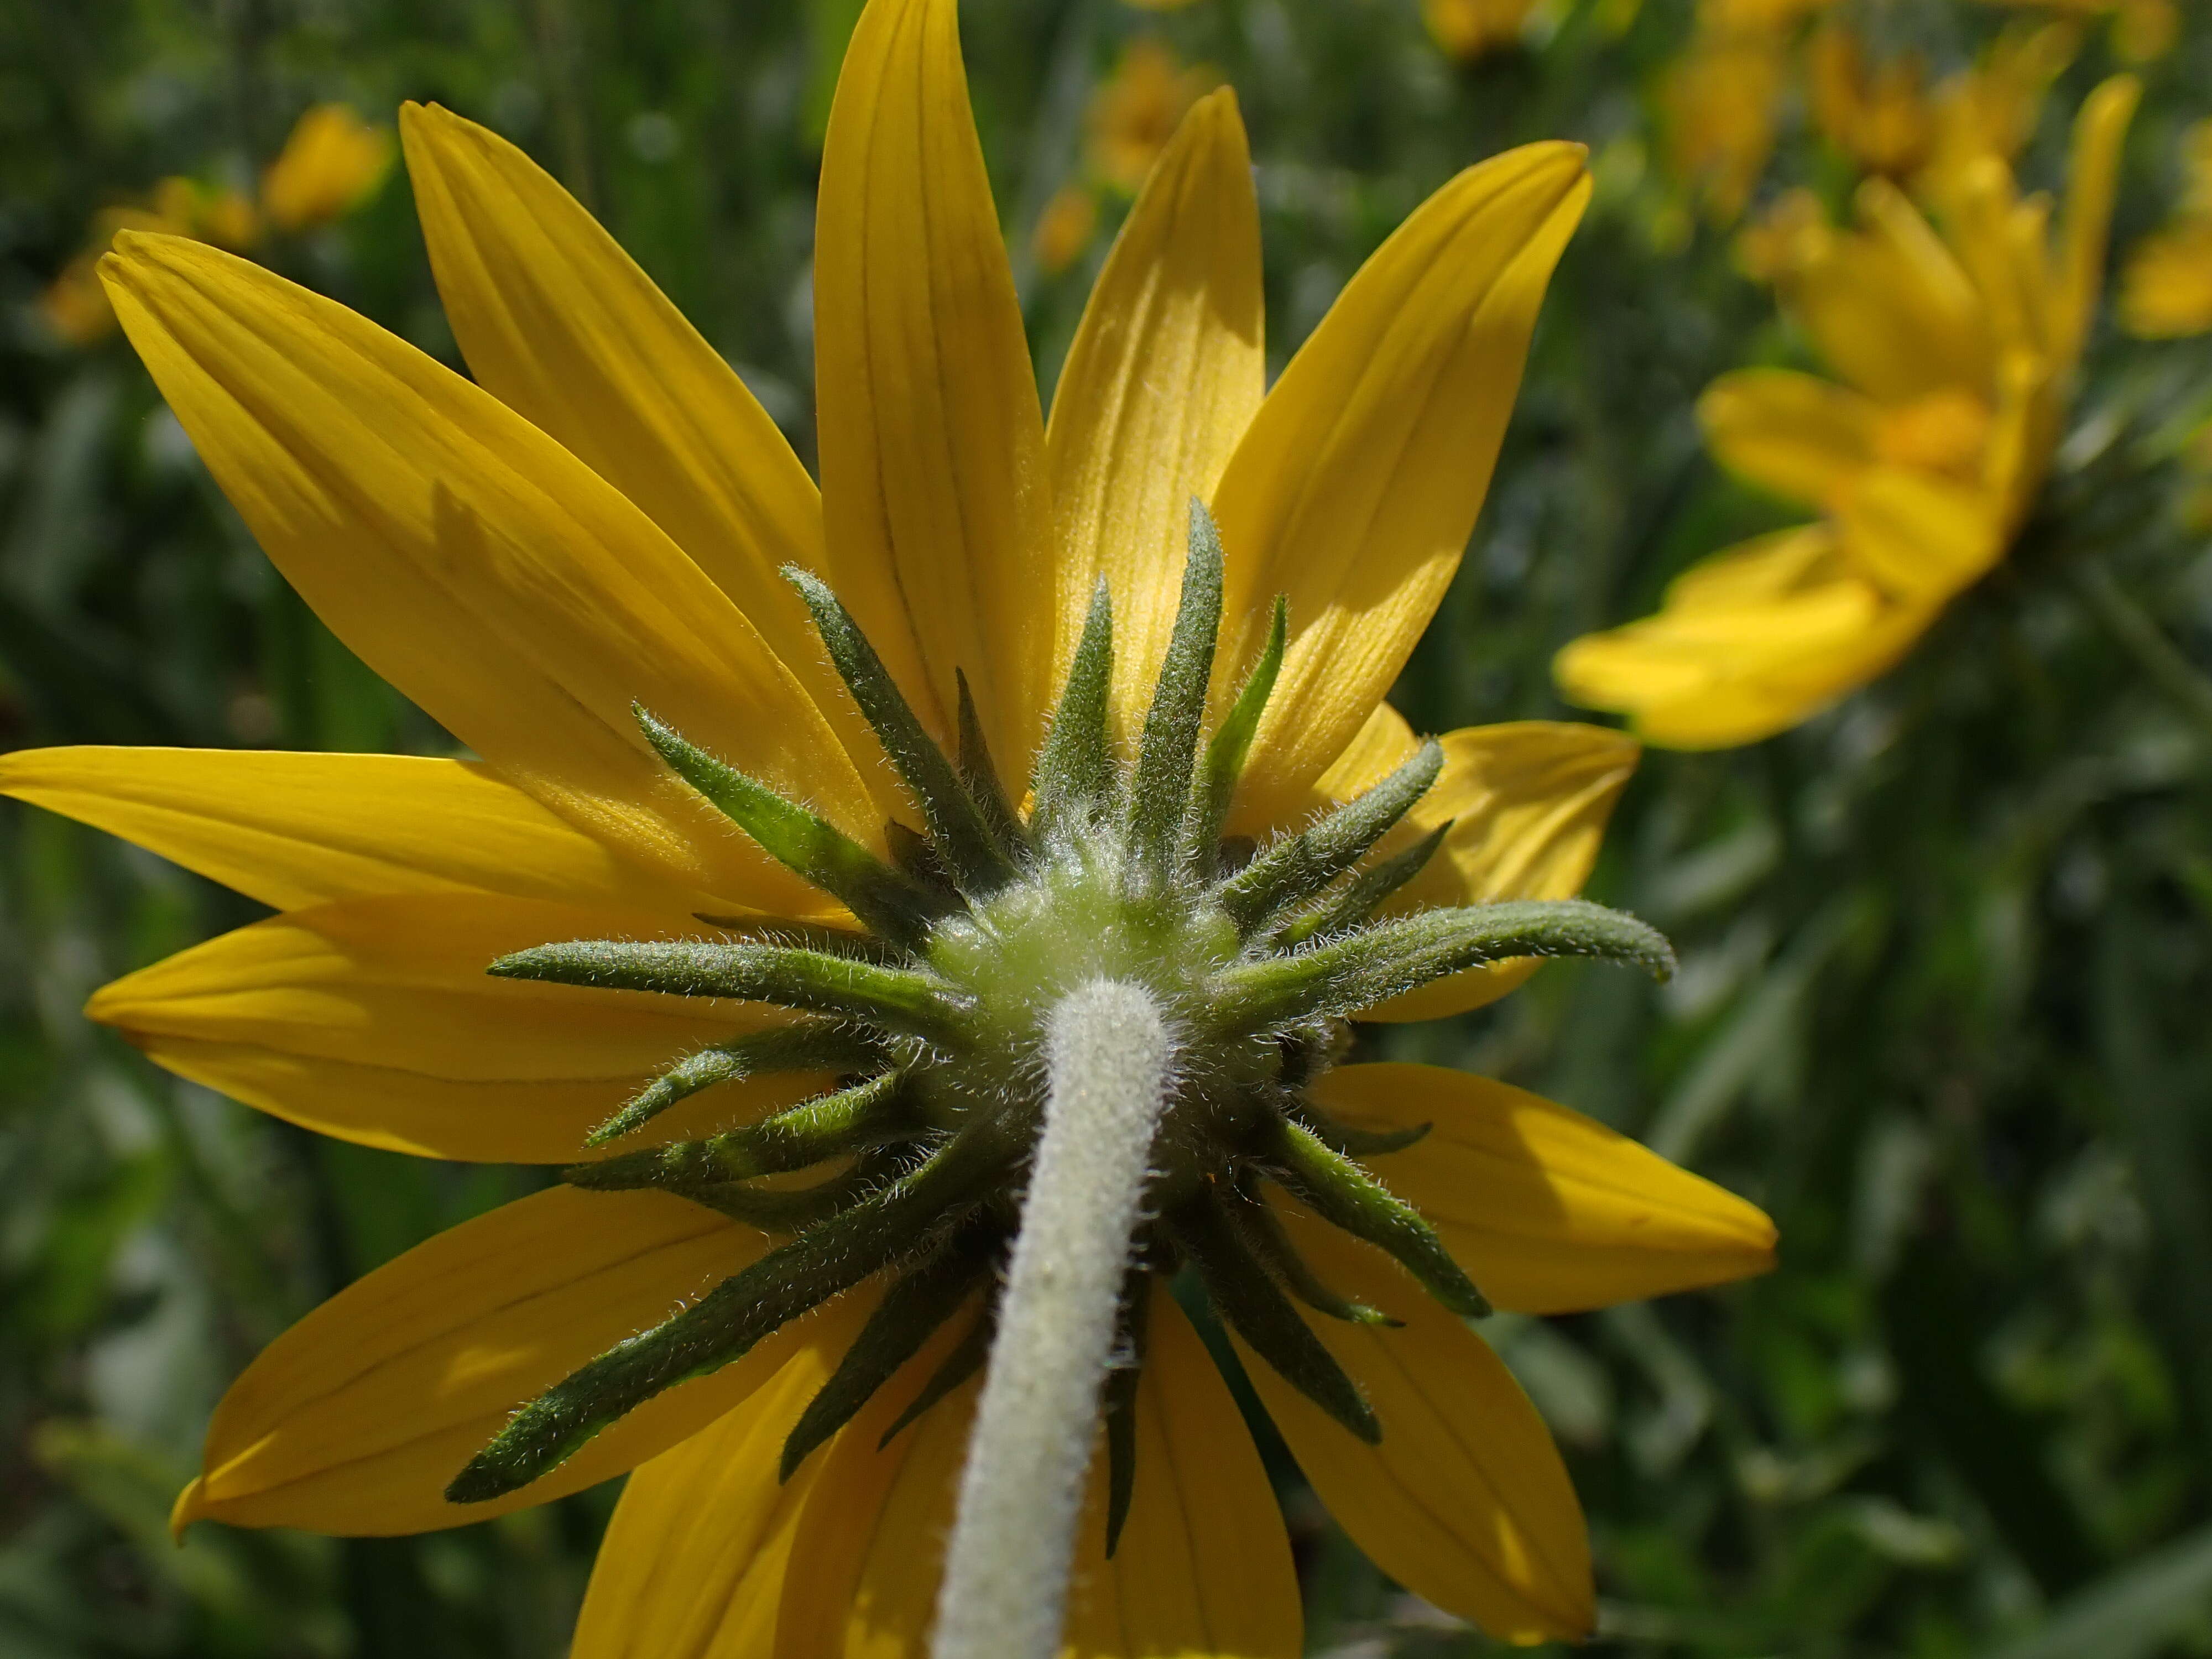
(191, 1506)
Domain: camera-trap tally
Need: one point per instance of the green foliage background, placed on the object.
(1946, 1006)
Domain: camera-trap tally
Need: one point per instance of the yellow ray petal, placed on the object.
(2092, 183)
(353, 1421)
(1921, 535)
(692, 1564)
(374, 1020)
(1379, 748)
(1357, 486)
(934, 496)
(561, 326)
(1164, 376)
(1549, 1211)
(293, 829)
(1804, 438)
(479, 566)
(1204, 1566)
(1464, 1502)
(1527, 803)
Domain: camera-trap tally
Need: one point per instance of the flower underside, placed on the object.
(931, 1012)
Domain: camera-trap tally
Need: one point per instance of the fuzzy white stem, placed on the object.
(1004, 1590)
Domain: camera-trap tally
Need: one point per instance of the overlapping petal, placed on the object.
(935, 491)
(1358, 483)
(1166, 371)
(1464, 1501)
(372, 1020)
(296, 830)
(479, 566)
(1204, 1565)
(1549, 1211)
(668, 1587)
(353, 1421)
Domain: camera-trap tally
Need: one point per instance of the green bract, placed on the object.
(933, 1011)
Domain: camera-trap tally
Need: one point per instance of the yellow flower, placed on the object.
(1878, 114)
(332, 162)
(596, 521)
(1467, 29)
(2165, 290)
(2142, 29)
(1065, 229)
(1955, 358)
(1136, 110)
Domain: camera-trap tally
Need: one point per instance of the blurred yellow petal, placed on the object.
(1527, 803)
(1468, 29)
(1549, 1211)
(1464, 1502)
(479, 567)
(559, 324)
(353, 1421)
(293, 829)
(1204, 1566)
(692, 1563)
(1888, 306)
(2092, 183)
(1804, 438)
(1136, 110)
(1165, 372)
(934, 496)
(374, 1021)
(1922, 537)
(1711, 671)
(1357, 486)
(2165, 293)
(331, 163)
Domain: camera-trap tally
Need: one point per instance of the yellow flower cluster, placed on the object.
(1954, 356)
(331, 163)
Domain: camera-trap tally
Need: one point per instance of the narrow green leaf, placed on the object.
(912, 1310)
(956, 823)
(1299, 866)
(895, 999)
(966, 1359)
(1344, 1195)
(1160, 785)
(813, 1132)
(802, 1046)
(1074, 774)
(897, 1219)
(810, 846)
(1356, 900)
(980, 774)
(1341, 977)
(1225, 755)
(1262, 1316)
(1263, 1233)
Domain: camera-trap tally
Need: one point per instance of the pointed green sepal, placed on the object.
(794, 1209)
(812, 981)
(1224, 764)
(956, 823)
(966, 1359)
(980, 774)
(1074, 772)
(1260, 1313)
(1299, 866)
(898, 1219)
(811, 847)
(1341, 977)
(1160, 785)
(812, 935)
(1339, 1136)
(802, 1046)
(1263, 1233)
(1344, 1195)
(813, 1132)
(1357, 900)
(911, 1311)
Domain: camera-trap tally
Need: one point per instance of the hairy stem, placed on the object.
(1005, 1589)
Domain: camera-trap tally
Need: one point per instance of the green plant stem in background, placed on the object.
(2130, 627)
(1005, 1589)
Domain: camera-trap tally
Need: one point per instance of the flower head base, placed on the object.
(937, 1014)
